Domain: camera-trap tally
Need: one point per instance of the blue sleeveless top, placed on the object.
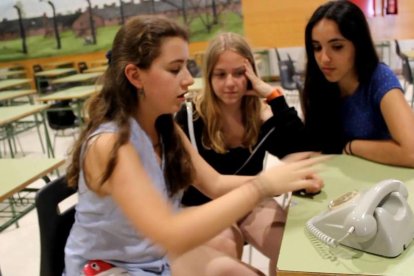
(101, 231)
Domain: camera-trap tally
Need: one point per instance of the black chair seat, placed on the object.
(61, 116)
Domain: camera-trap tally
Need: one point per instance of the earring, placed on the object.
(141, 92)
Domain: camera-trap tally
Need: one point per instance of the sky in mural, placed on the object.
(33, 8)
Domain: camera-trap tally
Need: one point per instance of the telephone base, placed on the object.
(377, 221)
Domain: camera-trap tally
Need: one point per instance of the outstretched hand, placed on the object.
(302, 156)
(291, 176)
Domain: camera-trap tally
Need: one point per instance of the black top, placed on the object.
(287, 135)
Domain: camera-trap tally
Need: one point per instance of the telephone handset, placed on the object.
(378, 220)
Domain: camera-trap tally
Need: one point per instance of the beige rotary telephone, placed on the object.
(378, 220)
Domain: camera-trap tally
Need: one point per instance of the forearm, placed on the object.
(226, 183)
(387, 152)
(178, 232)
(210, 219)
(278, 105)
(185, 230)
(291, 135)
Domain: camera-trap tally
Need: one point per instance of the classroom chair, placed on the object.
(194, 69)
(397, 48)
(407, 74)
(54, 225)
(289, 79)
(82, 66)
(60, 117)
(37, 68)
(287, 72)
(42, 85)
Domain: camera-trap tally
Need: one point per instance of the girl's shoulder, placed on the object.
(384, 77)
(383, 71)
(383, 81)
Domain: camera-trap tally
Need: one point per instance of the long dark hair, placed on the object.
(320, 98)
(138, 42)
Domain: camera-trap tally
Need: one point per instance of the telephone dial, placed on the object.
(378, 220)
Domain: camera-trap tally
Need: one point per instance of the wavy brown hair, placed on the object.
(207, 102)
(138, 42)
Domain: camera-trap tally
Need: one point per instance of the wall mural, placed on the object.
(42, 28)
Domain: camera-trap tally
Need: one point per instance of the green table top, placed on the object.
(97, 69)
(84, 77)
(16, 174)
(9, 114)
(12, 73)
(12, 67)
(300, 252)
(8, 83)
(55, 72)
(73, 93)
(12, 94)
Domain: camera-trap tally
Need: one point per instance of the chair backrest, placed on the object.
(61, 116)
(54, 226)
(287, 72)
(37, 68)
(397, 48)
(278, 55)
(192, 66)
(41, 85)
(286, 76)
(82, 66)
(406, 69)
(291, 65)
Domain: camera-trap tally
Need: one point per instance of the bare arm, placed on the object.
(132, 189)
(400, 121)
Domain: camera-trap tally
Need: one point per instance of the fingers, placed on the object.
(306, 167)
(259, 88)
(249, 70)
(292, 176)
(313, 183)
(248, 66)
(316, 186)
(256, 82)
(310, 185)
(305, 171)
(313, 189)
